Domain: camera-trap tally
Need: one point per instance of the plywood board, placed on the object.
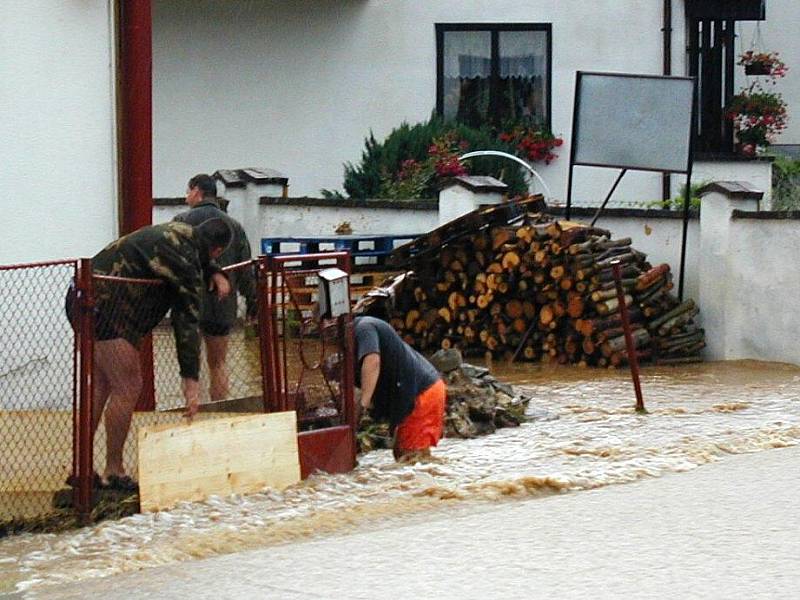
(231, 455)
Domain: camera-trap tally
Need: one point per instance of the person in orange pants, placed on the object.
(399, 385)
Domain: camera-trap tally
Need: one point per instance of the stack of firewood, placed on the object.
(543, 290)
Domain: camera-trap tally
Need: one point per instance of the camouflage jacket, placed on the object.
(223, 312)
(176, 260)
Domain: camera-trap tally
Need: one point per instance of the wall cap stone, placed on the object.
(241, 177)
(169, 202)
(635, 213)
(475, 183)
(716, 157)
(416, 204)
(767, 215)
(741, 190)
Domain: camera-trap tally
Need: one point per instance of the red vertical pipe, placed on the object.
(76, 381)
(265, 333)
(633, 359)
(276, 283)
(348, 365)
(136, 112)
(85, 472)
(135, 77)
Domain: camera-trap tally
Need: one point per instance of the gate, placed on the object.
(298, 344)
(47, 374)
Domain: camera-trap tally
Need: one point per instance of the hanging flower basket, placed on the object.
(757, 68)
(766, 64)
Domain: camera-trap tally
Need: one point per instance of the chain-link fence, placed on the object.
(230, 374)
(132, 370)
(78, 345)
(38, 387)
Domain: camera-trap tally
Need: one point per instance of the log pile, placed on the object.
(541, 290)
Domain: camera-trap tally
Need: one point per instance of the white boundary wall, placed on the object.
(750, 282)
(740, 270)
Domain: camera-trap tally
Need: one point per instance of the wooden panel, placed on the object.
(231, 455)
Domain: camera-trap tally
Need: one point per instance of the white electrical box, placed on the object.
(334, 293)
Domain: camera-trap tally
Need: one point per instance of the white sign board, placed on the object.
(640, 122)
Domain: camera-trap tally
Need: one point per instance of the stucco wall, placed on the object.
(297, 86)
(658, 235)
(57, 103)
(305, 217)
(285, 220)
(762, 290)
(749, 283)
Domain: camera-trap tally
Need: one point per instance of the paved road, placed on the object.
(728, 530)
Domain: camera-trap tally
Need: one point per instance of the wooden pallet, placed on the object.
(488, 216)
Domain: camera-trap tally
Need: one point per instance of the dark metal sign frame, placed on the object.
(625, 167)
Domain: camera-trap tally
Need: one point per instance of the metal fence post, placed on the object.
(348, 379)
(633, 359)
(349, 366)
(265, 333)
(85, 329)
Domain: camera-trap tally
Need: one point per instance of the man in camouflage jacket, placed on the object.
(218, 316)
(177, 262)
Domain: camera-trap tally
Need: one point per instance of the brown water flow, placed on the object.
(698, 414)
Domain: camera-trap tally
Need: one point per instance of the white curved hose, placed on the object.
(512, 157)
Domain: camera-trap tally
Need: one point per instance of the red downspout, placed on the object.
(135, 85)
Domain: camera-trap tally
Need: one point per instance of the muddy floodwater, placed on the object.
(697, 414)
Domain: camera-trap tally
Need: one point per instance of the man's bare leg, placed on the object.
(119, 361)
(100, 386)
(216, 352)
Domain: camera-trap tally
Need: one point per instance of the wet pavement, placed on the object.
(727, 530)
(698, 414)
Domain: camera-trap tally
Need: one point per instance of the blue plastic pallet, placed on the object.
(358, 245)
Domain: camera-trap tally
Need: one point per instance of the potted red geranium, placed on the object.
(532, 143)
(758, 117)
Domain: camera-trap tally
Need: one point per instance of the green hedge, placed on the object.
(786, 184)
(377, 174)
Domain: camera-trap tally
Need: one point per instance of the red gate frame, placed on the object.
(332, 449)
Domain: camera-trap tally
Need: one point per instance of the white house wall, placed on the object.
(296, 86)
(57, 158)
(779, 33)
